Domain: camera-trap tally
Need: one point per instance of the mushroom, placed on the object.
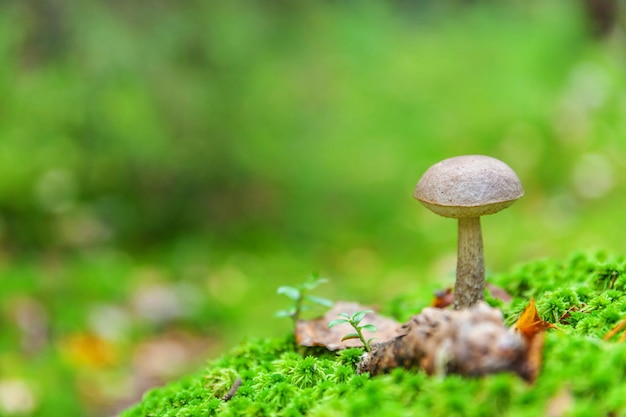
(465, 188)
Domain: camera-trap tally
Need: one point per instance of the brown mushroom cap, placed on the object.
(468, 186)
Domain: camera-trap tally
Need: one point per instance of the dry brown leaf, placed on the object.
(316, 332)
(499, 293)
(445, 298)
(530, 324)
(564, 319)
(531, 365)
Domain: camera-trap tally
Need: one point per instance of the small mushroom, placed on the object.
(465, 188)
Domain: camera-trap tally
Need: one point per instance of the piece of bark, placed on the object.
(316, 332)
(469, 342)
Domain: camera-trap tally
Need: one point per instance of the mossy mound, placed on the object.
(582, 375)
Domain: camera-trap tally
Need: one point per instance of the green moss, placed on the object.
(583, 295)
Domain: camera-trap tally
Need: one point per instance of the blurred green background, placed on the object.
(165, 166)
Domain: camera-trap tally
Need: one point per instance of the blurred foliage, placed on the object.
(276, 122)
(165, 166)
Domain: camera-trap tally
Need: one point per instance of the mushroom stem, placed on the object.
(470, 267)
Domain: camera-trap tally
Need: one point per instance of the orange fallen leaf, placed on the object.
(615, 330)
(532, 327)
(530, 324)
(89, 350)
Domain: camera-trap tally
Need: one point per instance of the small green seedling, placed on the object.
(299, 295)
(354, 320)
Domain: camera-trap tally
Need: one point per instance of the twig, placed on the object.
(233, 390)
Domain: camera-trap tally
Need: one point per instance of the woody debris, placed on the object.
(470, 342)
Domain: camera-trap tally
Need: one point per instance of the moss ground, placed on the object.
(582, 375)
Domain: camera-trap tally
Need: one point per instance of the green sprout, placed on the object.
(299, 295)
(354, 320)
